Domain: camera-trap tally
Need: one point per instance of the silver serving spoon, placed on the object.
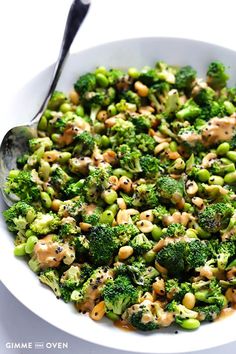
(15, 142)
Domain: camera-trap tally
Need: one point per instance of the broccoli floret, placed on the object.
(102, 245)
(65, 294)
(84, 144)
(141, 122)
(91, 214)
(211, 293)
(131, 97)
(175, 230)
(225, 250)
(44, 143)
(130, 160)
(56, 100)
(145, 316)
(119, 294)
(150, 166)
(169, 189)
(196, 254)
(68, 228)
(181, 312)
(185, 77)
(122, 132)
(148, 77)
(43, 224)
(71, 278)
(215, 217)
(114, 75)
(59, 178)
(141, 244)
(73, 189)
(87, 296)
(21, 184)
(172, 102)
(96, 183)
(86, 83)
(50, 278)
(172, 257)
(205, 97)
(165, 72)
(176, 290)
(145, 195)
(141, 274)
(123, 106)
(143, 142)
(216, 76)
(124, 232)
(158, 93)
(19, 216)
(207, 313)
(159, 212)
(189, 111)
(81, 244)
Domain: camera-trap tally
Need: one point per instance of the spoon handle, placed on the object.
(75, 18)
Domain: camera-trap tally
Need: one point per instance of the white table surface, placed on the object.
(30, 35)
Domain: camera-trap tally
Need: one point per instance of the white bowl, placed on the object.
(16, 275)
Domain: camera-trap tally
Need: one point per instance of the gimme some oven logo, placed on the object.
(37, 345)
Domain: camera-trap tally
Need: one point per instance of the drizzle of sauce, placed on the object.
(125, 326)
(227, 312)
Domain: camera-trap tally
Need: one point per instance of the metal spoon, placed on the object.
(15, 142)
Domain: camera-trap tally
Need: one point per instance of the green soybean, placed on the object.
(119, 172)
(203, 175)
(114, 208)
(111, 110)
(173, 146)
(109, 196)
(79, 111)
(216, 180)
(230, 178)
(190, 324)
(149, 256)
(101, 70)
(105, 141)
(19, 250)
(64, 156)
(106, 217)
(222, 149)
(43, 123)
(231, 155)
(30, 243)
(46, 200)
(65, 107)
(112, 316)
(191, 233)
(133, 72)
(156, 233)
(230, 108)
(102, 80)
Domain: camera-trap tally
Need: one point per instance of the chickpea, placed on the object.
(142, 90)
(102, 116)
(189, 301)
(125, 252)
(74, 97)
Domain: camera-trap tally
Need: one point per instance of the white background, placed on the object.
(30, 35)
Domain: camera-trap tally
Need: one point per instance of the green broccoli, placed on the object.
(215, 217)
(86, 83)
(122, 132)
(124, 232)
(72, 188)
(37, 143)
(175, 230)
(95, 183)
(211, 293)
(141, 244)
(184, 78)
(119, 294)
(172, 257)
(169, 189)
(216, 76)
(208, 312)
(102, 245)
(129, 159)
(143, 142)
(84, 144)
(71, 278)
(81, 244)
(19, 216)
(92, 217)
(189, 111)
(150, 166)
(145, 195)
(225, 250)
(43, 224)
(114, 75)
(196, 254)
(141, 274)
(175, 290)
(141, 122)
(22, 184)
(131, 97)
(50, 278)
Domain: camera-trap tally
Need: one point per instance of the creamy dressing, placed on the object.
(218, 129)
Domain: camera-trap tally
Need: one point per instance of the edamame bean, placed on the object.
(173, 146)
(133, 72)
(149, 256)
(19, 250)
(106, 217)
(230, 108)
(101, 70)
(46, 200)
(30, 243)
(64, 156)
(190, 323)
(105, 141)
(111, 110)
(216, 180)
(44, 170)
(80, 111)
(230, 178)
(112, 316)
(102, 80)
(109, 196)
(119, 172)
(43, 123)
(188, 207)
(222, 149)
(156, 233)
(114, 208)
(98, 127)
(203, 175)
(231, 155)
(65, 107)
(191, 233)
